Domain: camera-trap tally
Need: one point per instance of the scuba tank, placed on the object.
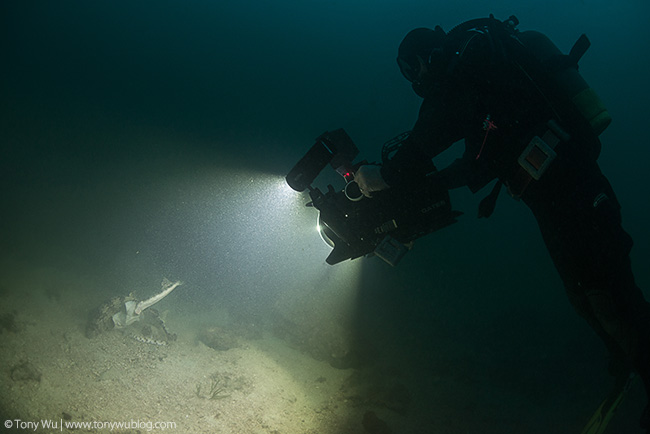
(555, 74)
(563, 71)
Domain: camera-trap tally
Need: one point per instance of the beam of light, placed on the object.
(250, 234)
(266, 252)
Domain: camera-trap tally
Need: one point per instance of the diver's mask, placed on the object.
(410, 70)
(424, 75)
(421, 58)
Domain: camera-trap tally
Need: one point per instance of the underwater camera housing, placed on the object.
(354, 225)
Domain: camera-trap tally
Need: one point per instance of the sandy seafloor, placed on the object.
(266, 385)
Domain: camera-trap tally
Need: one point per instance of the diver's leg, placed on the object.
(618, 363)
(591, 252)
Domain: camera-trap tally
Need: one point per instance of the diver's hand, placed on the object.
(369, 179)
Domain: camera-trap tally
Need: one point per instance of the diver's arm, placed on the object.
(415, 158)
(409, 166)
(408, 163)
(435, 130)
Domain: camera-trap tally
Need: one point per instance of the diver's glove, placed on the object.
(369, 179)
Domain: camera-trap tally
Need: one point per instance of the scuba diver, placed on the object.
(530, 121)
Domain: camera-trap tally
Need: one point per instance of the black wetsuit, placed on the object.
(490, 102)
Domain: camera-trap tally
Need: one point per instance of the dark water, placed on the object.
(150, 137)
